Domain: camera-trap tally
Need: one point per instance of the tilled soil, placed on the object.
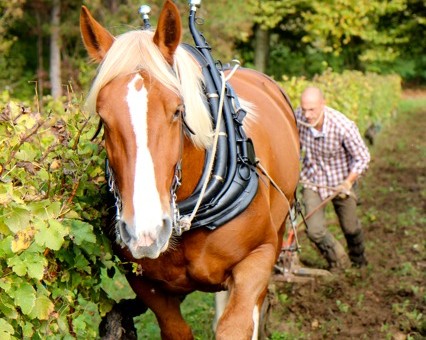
(386, 299)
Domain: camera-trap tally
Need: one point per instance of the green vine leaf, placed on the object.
(27, 152)
(6, 193)
(51, 235)
(116, 286)
(35, 263)
(25, 297)
(82, 232)
(17, 218)
(7, 307)
(45, 209)
(6, 330)
(17, 265)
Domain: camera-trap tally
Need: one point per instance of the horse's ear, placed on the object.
(96, 38)
(169, 30)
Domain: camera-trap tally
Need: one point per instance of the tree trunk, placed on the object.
(55, 53)
(261, 52)
(40, 67)
(112, 5)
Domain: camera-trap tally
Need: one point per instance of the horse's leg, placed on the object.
(220, 300)
(118, 323)
(265, 311)
(247, 292)
(165, 307)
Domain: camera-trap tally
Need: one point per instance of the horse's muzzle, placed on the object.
(146, 244)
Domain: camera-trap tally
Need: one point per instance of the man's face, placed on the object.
(312, 108)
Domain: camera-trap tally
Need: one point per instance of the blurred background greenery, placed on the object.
(41, 38)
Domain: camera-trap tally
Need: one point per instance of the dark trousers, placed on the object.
(318, 233)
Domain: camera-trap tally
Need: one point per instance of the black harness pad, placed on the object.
(234, 180)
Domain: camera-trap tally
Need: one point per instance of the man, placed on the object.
(333, 157)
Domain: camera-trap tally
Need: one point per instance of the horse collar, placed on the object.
(233, 182)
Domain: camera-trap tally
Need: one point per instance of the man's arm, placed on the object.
(358, 150)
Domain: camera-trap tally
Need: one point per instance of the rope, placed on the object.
(326, 187)
(314, 123)
(312, 212)
(290, 210)
(319, 206)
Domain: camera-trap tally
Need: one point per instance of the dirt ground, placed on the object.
(386, 299)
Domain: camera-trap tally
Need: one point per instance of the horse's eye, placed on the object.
(180, 111)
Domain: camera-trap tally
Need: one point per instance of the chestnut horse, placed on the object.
(147, 88)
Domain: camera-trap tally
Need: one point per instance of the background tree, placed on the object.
(266, 15)
(55, 51)
(407, 28)
(294, 37)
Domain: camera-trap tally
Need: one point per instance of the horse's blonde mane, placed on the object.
(134, 51)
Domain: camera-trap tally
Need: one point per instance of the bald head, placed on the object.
(312, 94)
(312, 103)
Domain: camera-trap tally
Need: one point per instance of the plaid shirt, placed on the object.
(328, 156)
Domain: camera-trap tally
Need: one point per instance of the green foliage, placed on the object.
(306, 37)
(54, 259)
(333, 25)
(225, 22)
(269, 13)
(364, 98)
(343, 307)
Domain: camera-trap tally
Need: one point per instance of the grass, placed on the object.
(411, 104)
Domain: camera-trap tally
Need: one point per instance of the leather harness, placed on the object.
(234, 181)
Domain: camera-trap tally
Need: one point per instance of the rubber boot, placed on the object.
(356, 249)
(334, 253)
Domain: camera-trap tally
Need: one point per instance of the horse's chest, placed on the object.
(170, 273)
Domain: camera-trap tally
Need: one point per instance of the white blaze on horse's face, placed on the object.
(147, 232)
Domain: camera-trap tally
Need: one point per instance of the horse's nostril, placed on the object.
(125, 236)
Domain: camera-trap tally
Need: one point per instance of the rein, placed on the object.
(292, 210)
(325, 187)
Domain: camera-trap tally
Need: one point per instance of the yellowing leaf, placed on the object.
(6, 190)
(17, 218)
(56, 164)
(23, 239)
(42, 309)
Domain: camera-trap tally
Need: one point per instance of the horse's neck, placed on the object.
(192, 168)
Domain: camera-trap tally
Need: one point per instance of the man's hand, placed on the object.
(344, 189)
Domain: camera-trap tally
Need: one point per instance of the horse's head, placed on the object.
(140, 101)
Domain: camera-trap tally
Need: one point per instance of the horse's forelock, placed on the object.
(134, 51)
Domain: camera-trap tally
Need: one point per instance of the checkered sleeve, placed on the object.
(356, 148)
